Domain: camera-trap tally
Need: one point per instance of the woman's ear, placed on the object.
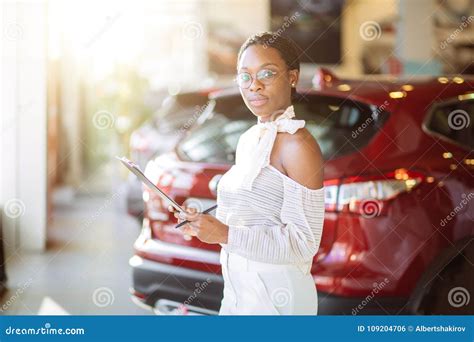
(293, 77)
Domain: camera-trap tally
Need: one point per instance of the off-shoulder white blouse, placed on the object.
(271, 217)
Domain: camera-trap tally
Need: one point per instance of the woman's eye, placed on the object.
(266, 74)
(244, 77)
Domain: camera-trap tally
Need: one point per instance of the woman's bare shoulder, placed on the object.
(302, 158)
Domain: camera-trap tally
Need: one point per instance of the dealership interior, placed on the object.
(86, 81)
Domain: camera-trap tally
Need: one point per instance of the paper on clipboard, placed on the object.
(135, 169)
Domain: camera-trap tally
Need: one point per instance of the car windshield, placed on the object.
(340, 126)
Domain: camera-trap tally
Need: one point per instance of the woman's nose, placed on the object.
(255, 85)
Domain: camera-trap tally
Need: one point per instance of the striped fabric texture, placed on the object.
(277, 221)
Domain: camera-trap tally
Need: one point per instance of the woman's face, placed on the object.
(273, 93)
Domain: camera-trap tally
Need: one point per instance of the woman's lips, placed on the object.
(258, 102)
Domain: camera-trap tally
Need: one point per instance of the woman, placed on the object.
(270, 211)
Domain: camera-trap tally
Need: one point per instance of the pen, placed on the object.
(207, 211)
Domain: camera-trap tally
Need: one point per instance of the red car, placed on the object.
(399, 178)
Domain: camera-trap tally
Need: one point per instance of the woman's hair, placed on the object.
(285, 47)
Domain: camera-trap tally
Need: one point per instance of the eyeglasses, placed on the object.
(266, 76)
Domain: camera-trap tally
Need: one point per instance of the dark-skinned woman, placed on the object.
(270, 214)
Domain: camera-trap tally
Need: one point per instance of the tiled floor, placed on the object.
(85, 268)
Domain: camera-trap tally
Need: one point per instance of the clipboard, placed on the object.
(135, 169)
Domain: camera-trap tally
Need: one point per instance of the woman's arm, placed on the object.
(297, 238)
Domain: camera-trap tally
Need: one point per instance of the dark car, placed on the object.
(160, 134)
(399, 179)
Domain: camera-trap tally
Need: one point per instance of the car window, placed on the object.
(215, 140)
(332, 121)
(179, 112)
(454, 121)
(340, 126)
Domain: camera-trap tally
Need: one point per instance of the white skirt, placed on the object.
(257, 288)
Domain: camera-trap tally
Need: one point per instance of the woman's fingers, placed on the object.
(175, 212)
(192, 214)
(188, 230)
(178, 215)
(191, 210)
(189, 213)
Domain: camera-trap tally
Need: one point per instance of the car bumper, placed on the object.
(159, 285)
(337, 305)
(154, 281)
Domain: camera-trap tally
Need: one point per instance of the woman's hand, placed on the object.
(204, 226)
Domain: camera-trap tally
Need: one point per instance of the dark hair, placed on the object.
(285, 47)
